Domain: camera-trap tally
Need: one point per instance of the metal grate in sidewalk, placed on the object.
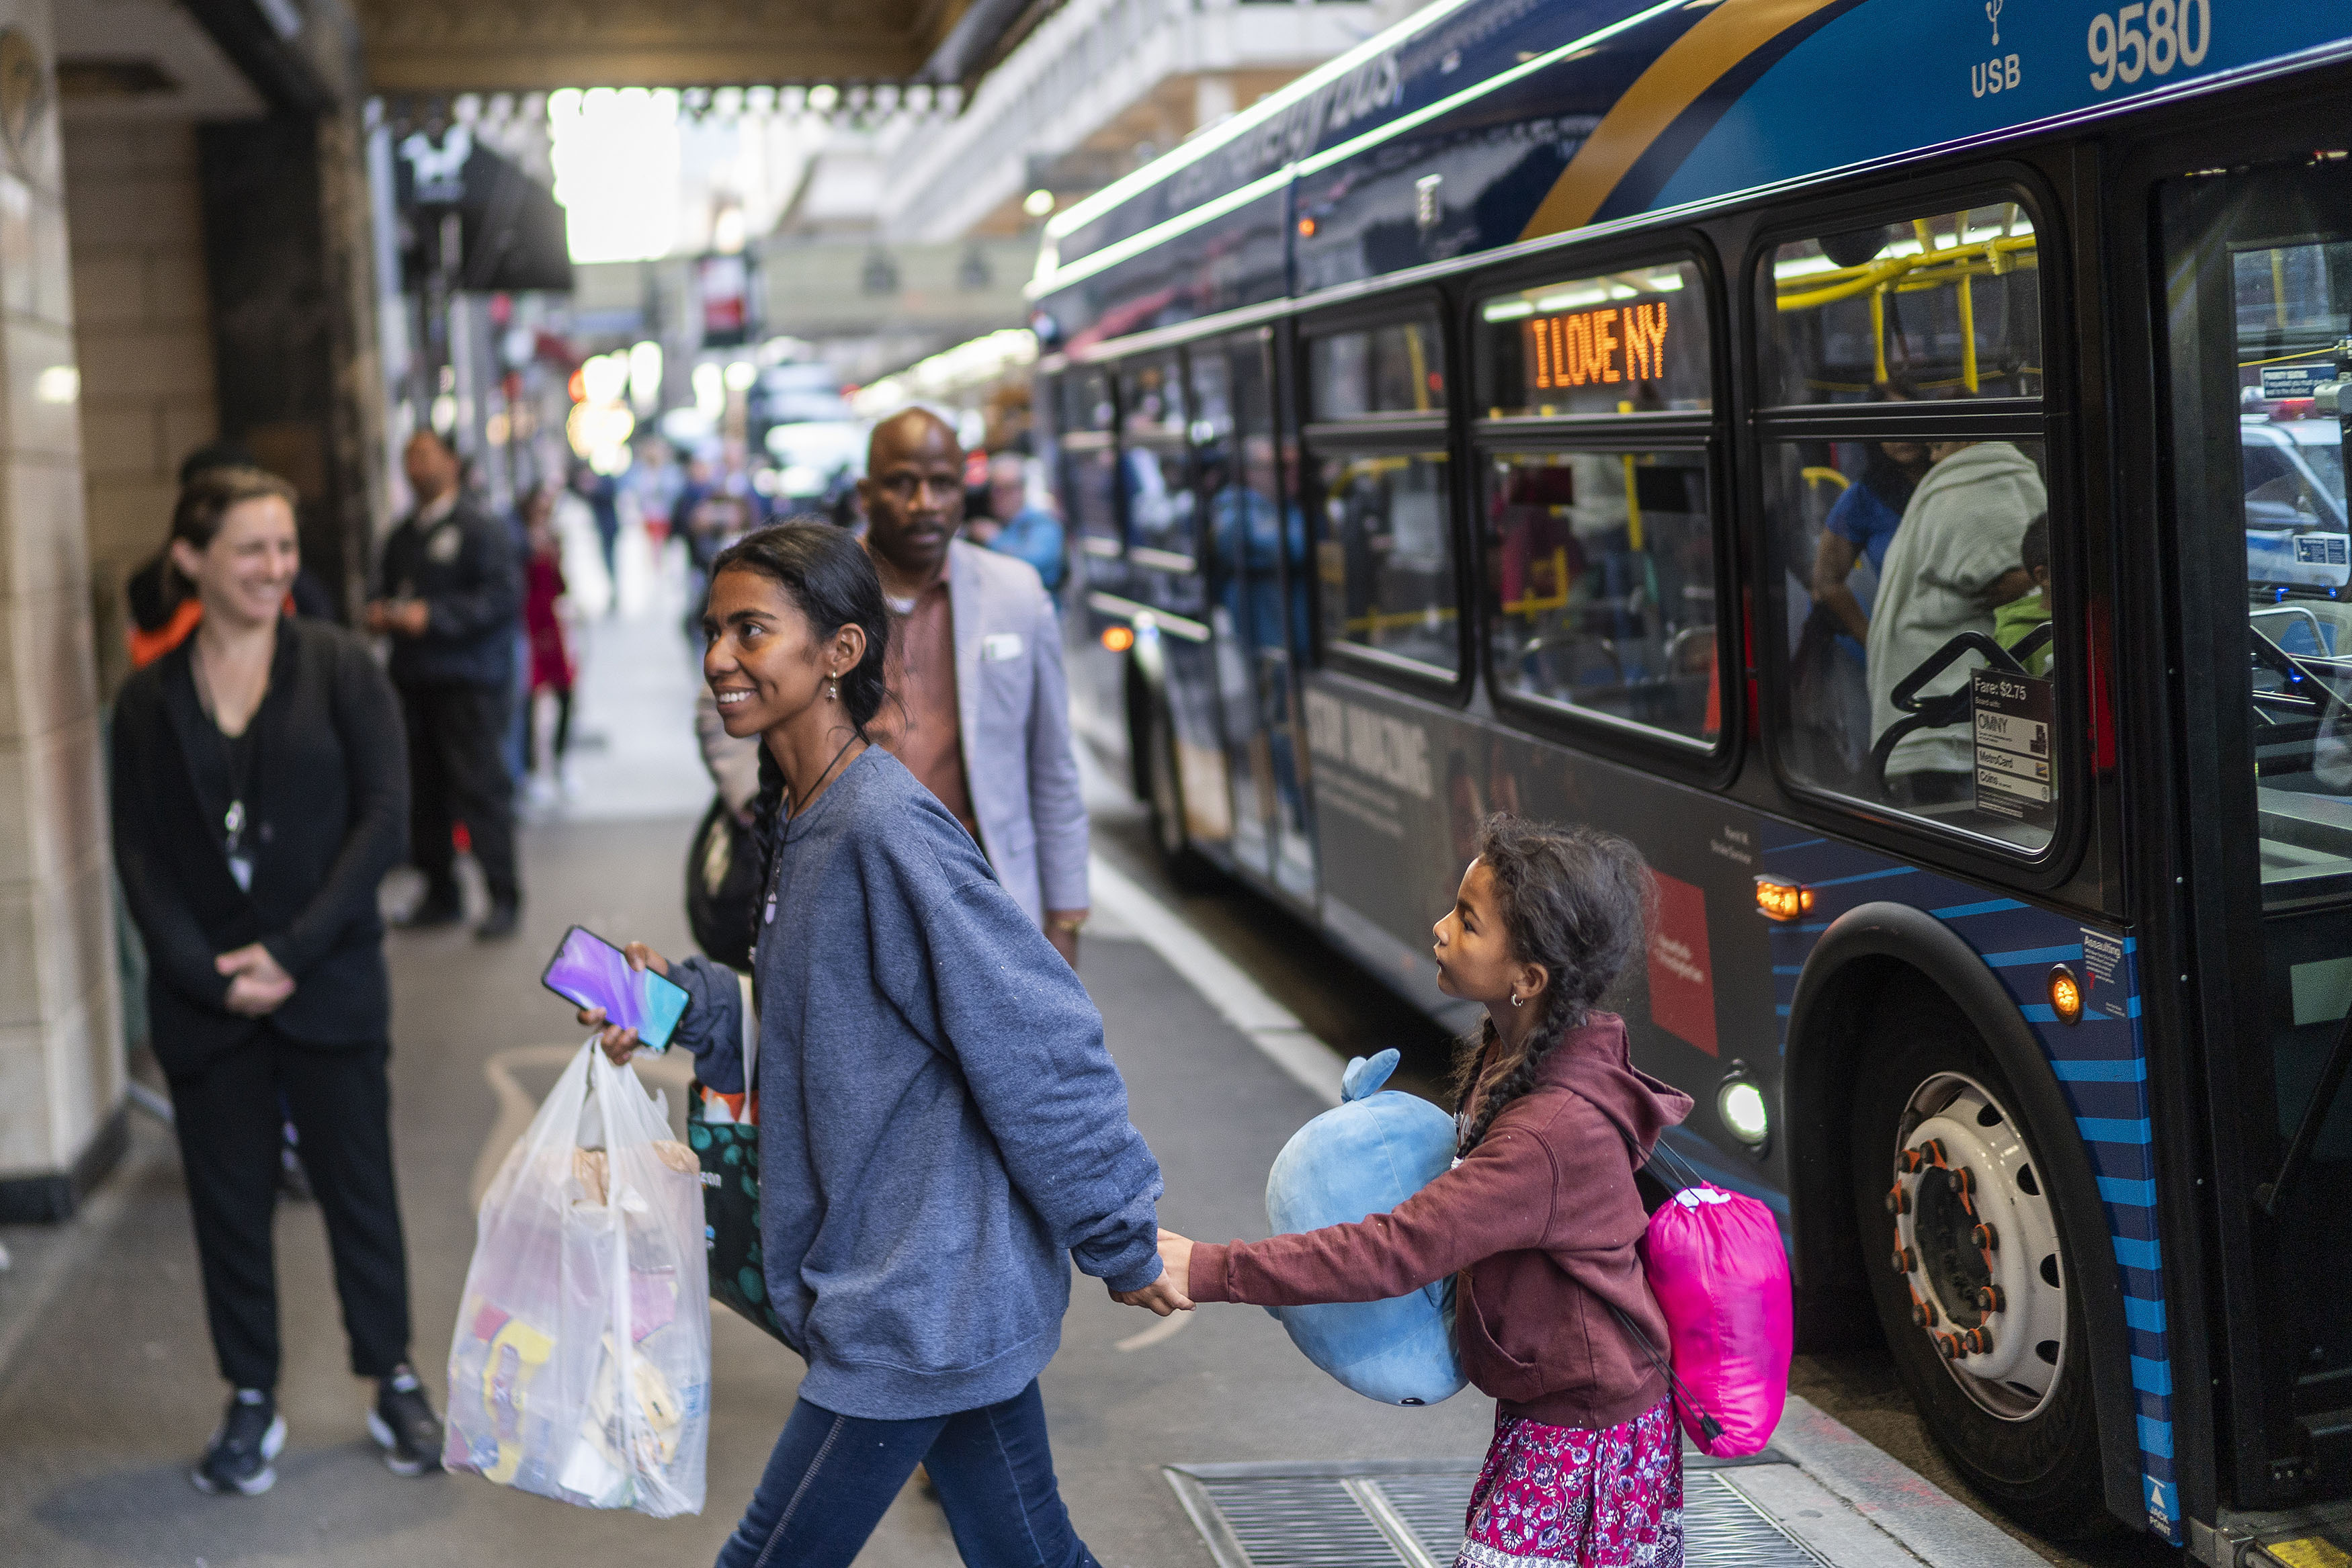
(1408, 1514)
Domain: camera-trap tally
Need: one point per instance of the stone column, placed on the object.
(61, 1067)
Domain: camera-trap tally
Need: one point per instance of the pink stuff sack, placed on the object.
(1720, 1274)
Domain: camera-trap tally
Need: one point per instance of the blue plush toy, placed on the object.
(1365, 1157)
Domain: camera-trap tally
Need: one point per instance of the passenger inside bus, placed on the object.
(1955, 559)
(2018, 620)
(1862, 524)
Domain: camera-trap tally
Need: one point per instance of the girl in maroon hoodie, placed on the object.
(1538, 1216)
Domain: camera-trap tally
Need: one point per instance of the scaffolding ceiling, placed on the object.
(434, 48)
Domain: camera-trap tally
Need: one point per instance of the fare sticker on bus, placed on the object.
(2014, 716)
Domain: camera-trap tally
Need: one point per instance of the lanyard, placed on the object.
(240, 760)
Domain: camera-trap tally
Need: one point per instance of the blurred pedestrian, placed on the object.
(260, 794)
(928, 1190)
(982, 710)
(1017, 525)
(603, 499)
(450, 597)
(544, 611)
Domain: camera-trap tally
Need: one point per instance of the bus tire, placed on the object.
(1164, 798)
(1941, 1163)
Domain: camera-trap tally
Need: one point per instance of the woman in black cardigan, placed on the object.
(260, 794)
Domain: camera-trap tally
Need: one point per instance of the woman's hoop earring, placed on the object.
(1517, 1001)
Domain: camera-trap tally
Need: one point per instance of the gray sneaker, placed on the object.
(238, 1458)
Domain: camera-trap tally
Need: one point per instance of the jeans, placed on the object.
(831, 1476)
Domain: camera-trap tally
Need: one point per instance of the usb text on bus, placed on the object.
(1627, 344)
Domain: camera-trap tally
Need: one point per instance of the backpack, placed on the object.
(1720, 1273)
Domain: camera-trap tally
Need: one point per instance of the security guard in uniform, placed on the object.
(449, 593)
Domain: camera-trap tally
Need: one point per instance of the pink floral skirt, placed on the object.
(1609, 1499)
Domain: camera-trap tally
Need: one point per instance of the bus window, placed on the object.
(1386, 556)
(1942, 306)
(1395, 369)
(1632, 341)
(1601, 585)
(1153, 466)
(1922, 655)
(1089, 465)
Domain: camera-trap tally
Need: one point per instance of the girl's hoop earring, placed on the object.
(1517, 1001)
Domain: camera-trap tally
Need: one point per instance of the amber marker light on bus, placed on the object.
(1779, 900)
(2066, 995)
(1118, 639)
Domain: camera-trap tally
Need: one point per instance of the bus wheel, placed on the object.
(1183, 863)
(1972, 1278)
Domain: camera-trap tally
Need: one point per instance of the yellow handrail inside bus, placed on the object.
(1531, 605)
(1381, 620)
(1968, 336)
(1930, 269)
(1825, 476)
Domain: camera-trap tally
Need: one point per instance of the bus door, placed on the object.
(1252, 531)
(1166, 577)
(2258, 273)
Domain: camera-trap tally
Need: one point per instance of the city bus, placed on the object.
(1885, 459)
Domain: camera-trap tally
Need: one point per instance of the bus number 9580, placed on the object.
(2149, 40)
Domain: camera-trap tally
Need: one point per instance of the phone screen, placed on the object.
(591, 972)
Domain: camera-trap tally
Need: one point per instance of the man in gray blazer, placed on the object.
(982, 710)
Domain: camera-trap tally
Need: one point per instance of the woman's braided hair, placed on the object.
(1575, 900)
(830, 578)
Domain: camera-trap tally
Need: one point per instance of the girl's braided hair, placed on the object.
(830, 578)
(1576, 901)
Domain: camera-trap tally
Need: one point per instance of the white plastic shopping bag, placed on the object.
(581, 1369)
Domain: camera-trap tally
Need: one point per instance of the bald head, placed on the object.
(910, 430)
(913, 492)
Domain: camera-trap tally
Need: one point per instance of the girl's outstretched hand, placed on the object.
(619, 1044)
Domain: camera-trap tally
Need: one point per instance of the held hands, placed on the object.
(1171, 1292)
(259, 985)
(619, 1044)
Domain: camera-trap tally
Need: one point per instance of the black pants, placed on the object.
(226, 1114)
(562, 741)
(457, 773)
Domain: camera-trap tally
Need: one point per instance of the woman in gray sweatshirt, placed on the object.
(941, 1127)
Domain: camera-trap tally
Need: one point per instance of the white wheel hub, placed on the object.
(1977, 1246)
